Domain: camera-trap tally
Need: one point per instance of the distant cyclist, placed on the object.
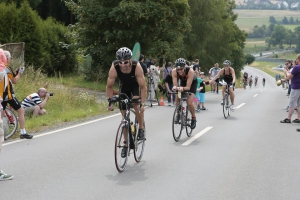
(255, 80)
(264, 82)
(250, 81)
(229, 77)
(188, 83)
(245, 78)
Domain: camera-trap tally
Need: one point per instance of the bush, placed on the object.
(249, 59)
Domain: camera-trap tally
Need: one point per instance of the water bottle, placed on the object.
(183, 109)
(132, 128)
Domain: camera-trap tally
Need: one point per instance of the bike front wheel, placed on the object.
(122, 146)
(10, 123)
(188, 121)
(139, 145)
(226, 106)
(177, 123)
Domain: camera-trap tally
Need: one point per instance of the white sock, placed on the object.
(23, 131)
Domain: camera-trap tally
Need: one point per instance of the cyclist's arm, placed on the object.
(174, 78)
(189, 81)
(139, 74)
(217, 76)
(112, 75)
(233, 75)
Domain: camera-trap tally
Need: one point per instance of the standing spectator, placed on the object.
(9, 95)
(3, 61)
(144, 66)
(153, 79)
(169, 86)
(202, 92)
(167, 71)
(212, 73)
(33, 104)
(196, 66)
(294, 76)
(197, 95)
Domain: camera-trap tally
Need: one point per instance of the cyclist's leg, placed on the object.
(223, 91)
(189, 102)
(231, 95)
(135, 91)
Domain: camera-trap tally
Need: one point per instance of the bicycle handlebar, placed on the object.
(123, 98)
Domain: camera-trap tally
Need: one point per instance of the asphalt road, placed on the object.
(248, 156)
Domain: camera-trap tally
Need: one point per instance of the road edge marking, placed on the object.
(197, 136)
(63, 129)
(239, 106)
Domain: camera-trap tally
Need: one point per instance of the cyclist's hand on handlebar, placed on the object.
(174, 88)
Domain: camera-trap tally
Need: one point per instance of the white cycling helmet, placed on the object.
(227, 62)
(180, 62)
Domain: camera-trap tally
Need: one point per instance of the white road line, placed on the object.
(255, 95)
(239, 106)
(196, 136)
(70, 127)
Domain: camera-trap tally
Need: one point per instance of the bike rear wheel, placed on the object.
(177, 123)
(188, 121)
(120, 145)
(139, 145)
(226, 106)
(10, 123)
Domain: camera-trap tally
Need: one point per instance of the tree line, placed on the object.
(166, 30)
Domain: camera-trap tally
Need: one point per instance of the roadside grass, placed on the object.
(66, 105)
(267, 67)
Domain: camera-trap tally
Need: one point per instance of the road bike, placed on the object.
(250, 83)
(255, 82)
(226, 101)
(10, 123)
(182, 117)
(127, 131)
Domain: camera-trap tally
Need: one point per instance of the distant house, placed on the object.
(281, 3)
(261, 2)
(294, 5)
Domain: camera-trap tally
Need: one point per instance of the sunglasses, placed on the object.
(180, 69)
(124, 62)
(226, 65)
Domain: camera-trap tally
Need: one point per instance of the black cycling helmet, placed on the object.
(124, 54)
(227, 62)
(180, 62)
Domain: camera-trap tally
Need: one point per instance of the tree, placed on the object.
(106, 25)
(285, 21)
(278, 36)
(272, 20)
(297, 39)
(291, 20)
(249, 59)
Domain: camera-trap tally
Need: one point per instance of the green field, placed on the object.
(247, 19)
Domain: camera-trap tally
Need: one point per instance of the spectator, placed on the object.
(33, 103)
(169, 86)
(153, 79)
(196, 66)
(197, 95)
(9, 95)
(202, 92)
(167, 71)
(294, 76)
(144, 66)
(3, 61)
(212, 73)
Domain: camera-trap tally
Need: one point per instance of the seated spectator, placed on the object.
(33, 104)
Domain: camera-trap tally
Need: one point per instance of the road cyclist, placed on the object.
(185, 80)
(228, 74)
(132, 83)
(250, 81)
(255, 81)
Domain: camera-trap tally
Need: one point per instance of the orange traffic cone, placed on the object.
(161, 102)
